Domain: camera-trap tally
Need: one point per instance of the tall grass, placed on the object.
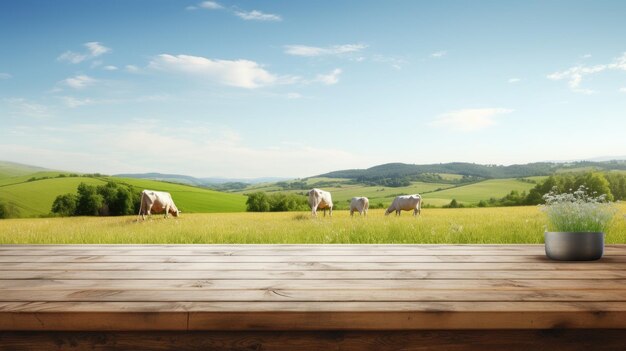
(434, 226)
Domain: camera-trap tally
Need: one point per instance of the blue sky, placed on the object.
(294, 88)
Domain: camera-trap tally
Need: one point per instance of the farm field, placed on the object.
(35, 198)
(434, 194)
(503, 225)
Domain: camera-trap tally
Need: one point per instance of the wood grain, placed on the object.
(306, 287)
(432, 340)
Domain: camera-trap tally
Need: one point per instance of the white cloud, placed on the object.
(310, 51)
(574, 75)
(79, 82)
(622, 90)
(294, 95)
(330, 78)
(468, 120)
(207, 5)
(94, 49)
(210, 5)
(439, 54)
(586, 56)
(132, 68)
(21, 107)
(236, 73)
(5, 76)
(258, 16)
(110, 68)
(73, 102)
(395, 62)
(514, 80)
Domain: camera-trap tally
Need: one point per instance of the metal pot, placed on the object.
(574, 246)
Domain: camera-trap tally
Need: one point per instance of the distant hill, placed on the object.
(400, 170)
(204, 182)
(13, 169)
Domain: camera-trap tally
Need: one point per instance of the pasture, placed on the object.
(35, 198)
(504, 225)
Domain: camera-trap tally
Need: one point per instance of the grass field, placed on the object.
(458, 226)
(35, 198)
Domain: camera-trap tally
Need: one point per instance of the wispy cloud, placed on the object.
(312, 51)
(586, 56)
(330, 78)
(207, 5)
(5, 76)
(469, 120)
(439, 54)
(237, 73)
(80, 81)
(110, 68)
(294, 96)
(94, 49)
(514, 80)
(395, 62)
(574, 75)
(258, 16)
(622, 90)
(131, 68)
(73, 102)
(21, 107)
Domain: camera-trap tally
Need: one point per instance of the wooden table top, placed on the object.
(306, 287)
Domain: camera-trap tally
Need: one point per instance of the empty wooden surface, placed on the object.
(306, 288)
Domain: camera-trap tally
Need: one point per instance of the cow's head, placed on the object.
(174, 212)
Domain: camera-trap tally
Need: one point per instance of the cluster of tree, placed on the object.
(70, 175)
(275, 202)
(229, 186)
(111, 199)
(611, 184)
(8, 210)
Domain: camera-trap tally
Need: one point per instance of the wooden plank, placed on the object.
(277, 258)
(318, 284)
(307, 275)
(313, 266)
(312, 306)
(435, 340)
(313, 250)
(311, 295)
(293, 321)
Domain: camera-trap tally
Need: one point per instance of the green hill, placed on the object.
(12, 169)
(34, 198)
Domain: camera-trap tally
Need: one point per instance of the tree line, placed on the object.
(110, 199)
(611, 184)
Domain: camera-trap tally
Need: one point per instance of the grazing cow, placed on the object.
(359, 204)
(157, 202)
(406, 203)
(320, 199)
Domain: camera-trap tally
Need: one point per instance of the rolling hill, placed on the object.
(34, 198)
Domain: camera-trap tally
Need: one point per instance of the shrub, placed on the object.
(8, 210)
(64, 205)
(578, 211)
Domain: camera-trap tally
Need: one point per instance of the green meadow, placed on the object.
(501, 225)
(35, 198)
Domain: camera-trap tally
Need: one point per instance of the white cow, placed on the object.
(406, 203)
(320, 199)
(359, 204)
(157, 202)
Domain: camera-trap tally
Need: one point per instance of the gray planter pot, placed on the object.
(567, 246)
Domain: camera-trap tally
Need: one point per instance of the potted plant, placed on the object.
(576, 225)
